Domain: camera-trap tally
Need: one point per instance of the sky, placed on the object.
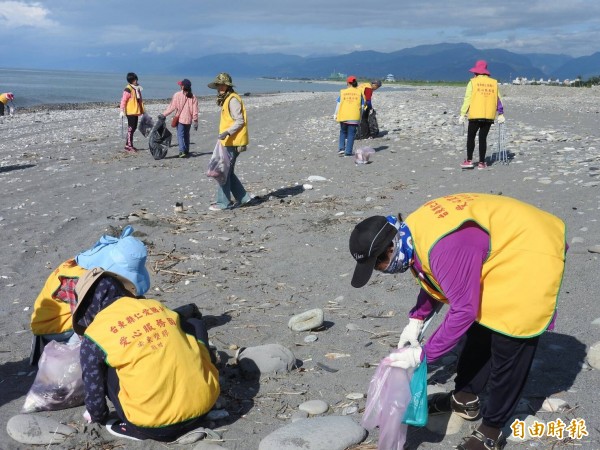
(46, 34)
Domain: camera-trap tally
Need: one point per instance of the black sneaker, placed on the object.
(119, 429)
(442, 403)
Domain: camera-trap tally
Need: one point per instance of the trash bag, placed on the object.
(373, 125)
(417, 411)
(160, 139)
(145, 125)
(218, 166)
(58, 383)
(362, 155)
(387, 400)
(363, 127)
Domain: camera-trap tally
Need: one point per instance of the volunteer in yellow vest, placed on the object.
(4, 99)
(132, 107)
(52, 309)
(498, 263)
(348, 113)
(233, 134)
(482, 101)
(155, 368)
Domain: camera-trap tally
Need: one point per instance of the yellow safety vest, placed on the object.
(133, 106)
(522, 274)
(351, 100)
(50, 314)
(484, 98)
(241, 136)
(165, 375)
(3, 98)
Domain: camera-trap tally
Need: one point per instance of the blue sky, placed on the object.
(46, 33)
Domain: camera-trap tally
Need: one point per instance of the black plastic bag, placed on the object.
(146, 124)
(160, 139)
(363, 127)
(373, 125)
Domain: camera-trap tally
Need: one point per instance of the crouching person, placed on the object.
(156, 370)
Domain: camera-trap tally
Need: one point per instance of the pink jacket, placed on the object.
(187, 113)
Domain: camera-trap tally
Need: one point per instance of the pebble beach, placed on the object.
(260, 273)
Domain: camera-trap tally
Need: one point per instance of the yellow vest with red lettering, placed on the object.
(134, 107)
(241, 136)
(522, 274)
(51, 314)
(351, 100)
(3, 98)
(165, 375)
(484, 98)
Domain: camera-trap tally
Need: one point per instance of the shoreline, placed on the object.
(66, 181)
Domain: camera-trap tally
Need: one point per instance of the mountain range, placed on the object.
(437, 62)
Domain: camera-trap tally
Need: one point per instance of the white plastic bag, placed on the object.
(387, 400)
(362, 155)
(218, 166)
(58, 383)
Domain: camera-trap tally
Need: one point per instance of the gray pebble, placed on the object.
(307, 320)
(37, 430)
(317, 433)
(310, 338)
(593, 355)
(314, 407)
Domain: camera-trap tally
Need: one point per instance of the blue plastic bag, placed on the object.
(417, 411)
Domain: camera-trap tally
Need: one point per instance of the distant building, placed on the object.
(390, 77)
(337, 76)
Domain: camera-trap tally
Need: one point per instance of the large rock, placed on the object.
(270, 358)
(319, 433)
(37, 430)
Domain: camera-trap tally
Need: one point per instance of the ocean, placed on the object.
(38, 87)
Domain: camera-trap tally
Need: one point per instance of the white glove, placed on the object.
(501, 118)
(461, 119)
(407, 359)
(335, 117)
(410, 334)
(87, 417)
(121, 114)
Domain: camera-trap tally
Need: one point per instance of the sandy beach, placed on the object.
(65, 181)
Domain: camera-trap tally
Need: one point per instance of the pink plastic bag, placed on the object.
(387, 400)
(218, 166)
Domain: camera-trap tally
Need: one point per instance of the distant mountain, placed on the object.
(439, 62)
(584, 66)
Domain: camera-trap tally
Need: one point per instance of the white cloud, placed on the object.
(153, 47)
(20, 14)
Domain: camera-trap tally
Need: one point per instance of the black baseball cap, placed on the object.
(369, 239)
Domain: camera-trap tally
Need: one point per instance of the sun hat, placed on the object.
(83, 286)
(125, 256)
(369, 239)
(10, 96)
(376, 82)
(480, 68)
(222, 78)
(351, 79)
(185, 83)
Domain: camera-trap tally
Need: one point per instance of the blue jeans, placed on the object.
(233, 186)
(183, 137)
(347, 133)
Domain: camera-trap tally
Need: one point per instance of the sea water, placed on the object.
(38, 87)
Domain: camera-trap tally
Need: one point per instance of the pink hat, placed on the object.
(480, 68)
(10, 96)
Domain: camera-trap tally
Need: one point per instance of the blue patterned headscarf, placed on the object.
(402, 257)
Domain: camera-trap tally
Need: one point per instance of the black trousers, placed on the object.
(167, 433)
(483, 126)
(132, 123)
(499, 363)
